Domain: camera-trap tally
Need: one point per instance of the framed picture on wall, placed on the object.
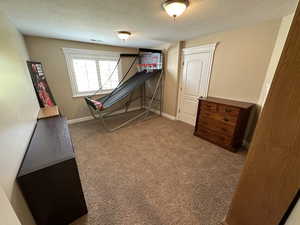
(40, 84)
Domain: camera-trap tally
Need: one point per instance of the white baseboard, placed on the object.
(79, 120)
(87, 118)
(166, 115)
(123, 110)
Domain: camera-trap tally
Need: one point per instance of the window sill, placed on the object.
(89, 95)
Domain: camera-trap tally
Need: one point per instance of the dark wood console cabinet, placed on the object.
(222, 121)
(48, 176)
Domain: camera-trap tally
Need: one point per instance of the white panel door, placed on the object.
(194, 84)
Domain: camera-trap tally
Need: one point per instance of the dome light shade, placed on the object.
(175, 8)
(124, 35)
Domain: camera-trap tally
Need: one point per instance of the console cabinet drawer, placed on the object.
(222, 121)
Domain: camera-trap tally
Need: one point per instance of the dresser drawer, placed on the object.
(228, 119)
(213, 136)
(217, 126)
(209, 106)
(228, 110)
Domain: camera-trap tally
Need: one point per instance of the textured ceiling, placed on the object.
(83, 20)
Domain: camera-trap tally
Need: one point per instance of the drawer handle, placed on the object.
(226, 120)
(228, 110)
(224, 129)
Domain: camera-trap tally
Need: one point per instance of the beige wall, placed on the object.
(49, 52)
(294, 218)
(171, 81)
(238, 72)
(240, 63)
(280, 41)
(18, 113)
(241, 60)
(7, 214)
(239, 68)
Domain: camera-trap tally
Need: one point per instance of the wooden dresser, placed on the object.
(222, 122)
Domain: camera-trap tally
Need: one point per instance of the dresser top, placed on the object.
(244, 105)
(49, 145)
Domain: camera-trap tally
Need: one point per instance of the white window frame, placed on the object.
(72, 53)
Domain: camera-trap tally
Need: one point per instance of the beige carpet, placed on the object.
(153, 172)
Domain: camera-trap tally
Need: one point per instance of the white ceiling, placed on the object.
(83, 20)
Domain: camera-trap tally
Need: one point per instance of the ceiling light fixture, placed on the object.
(124, 35)
(175, 7)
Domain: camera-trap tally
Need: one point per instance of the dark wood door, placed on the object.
(271, 176)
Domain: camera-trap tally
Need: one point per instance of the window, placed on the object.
(92, 71)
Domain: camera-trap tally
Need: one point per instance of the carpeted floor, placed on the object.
(153, 172)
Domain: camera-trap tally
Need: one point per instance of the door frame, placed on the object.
(209, 48)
